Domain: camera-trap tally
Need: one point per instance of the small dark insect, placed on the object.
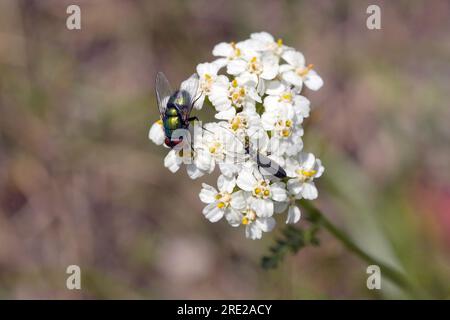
(175, 106)
(268, 165)
(264, 163)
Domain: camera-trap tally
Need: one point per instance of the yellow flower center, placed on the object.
(160, 122)
(235, 123)
(249, 217)
(280, 42)
(306, 174)
(284, 128)
(287, 96)
(254, 66)
(285, 133)
(206, 83)
(223, 199)
(261, 190)
(302, 72)
(236, 93)
(214, 147)
(237, 51)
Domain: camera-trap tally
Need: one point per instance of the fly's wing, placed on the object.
(190, 86)
(163, 92)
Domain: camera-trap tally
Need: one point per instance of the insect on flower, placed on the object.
(175, 107)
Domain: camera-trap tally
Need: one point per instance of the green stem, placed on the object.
(315, 215)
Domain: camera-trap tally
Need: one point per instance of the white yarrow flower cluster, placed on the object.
(255, 88)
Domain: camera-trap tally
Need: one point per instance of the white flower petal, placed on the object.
(319, 168)
(309, 191)
(156, 133)
(293, 214)
(253, 231)
(278, 191)
(294, 186)
(265, 224)
(234, 218)
(226, 184)
(172, 161)
(294, 58)
(193, 171)
(223, 49)
(262, 207)
(212, 212)
(207, 194)
(270, 67)
(274, 87)
(262, 36)
(227, 114)
(293, 78)
(313, 81)
(238, 200)
(246, 181)
(236, 67)
(228, 169)
(308, 161)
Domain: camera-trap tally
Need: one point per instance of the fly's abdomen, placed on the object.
(171, 124)
(171, 121)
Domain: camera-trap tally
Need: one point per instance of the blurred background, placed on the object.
(80, 183)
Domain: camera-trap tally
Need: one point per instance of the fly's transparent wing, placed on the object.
(191, 87)
(163, 92)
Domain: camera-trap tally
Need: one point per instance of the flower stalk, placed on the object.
(316, 216)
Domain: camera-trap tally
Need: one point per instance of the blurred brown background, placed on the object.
(80, 183)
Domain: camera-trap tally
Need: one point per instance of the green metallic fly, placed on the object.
(175, 106)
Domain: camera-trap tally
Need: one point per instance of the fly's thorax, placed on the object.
(179, 98)
(171, 111)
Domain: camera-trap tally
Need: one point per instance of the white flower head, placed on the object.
(255, 89)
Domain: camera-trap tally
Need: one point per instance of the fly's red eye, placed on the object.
(172, 143)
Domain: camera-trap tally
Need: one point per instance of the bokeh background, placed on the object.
(80, 183)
